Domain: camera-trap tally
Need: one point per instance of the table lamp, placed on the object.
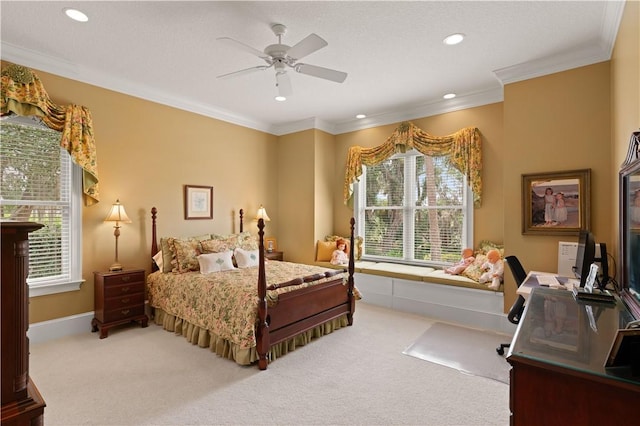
(117, 215)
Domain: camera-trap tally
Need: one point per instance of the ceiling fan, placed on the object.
(280, 57)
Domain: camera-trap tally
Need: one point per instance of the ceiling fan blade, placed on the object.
(240, 45)
(326, 73)
(306, 46)
(245, 71)
(284, 84)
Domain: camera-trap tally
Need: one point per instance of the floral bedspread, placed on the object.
(225, 303)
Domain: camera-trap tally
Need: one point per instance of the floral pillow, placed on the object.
(186, 255)
(168, 251)
(474, 270)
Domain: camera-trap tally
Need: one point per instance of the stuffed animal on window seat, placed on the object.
(494, 270)
(466, 260)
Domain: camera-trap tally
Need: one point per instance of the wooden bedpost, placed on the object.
(154, 239)
(262, 335)
(350, 284)
(241, 219)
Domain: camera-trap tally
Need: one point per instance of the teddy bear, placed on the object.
(466, 260)
(494, 270)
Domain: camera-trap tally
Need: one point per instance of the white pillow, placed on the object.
(216, 262)
(246, 258)
(158, 259)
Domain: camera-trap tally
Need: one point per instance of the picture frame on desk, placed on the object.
(270, 244)
(556, 203)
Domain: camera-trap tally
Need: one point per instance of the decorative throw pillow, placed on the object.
(186, 255)
(215, 262)
(325, 250)
(244, 240)
(246, 258)
(168, 253)
(485, 246)
(216, 246)
(157, 258)
(474, 270)
(357, 242)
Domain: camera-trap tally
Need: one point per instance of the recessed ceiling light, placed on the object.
(75, 14)
(280, 98)
(361, 116)
(453, 39)
(449, 96)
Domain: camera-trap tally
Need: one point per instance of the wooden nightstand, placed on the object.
(118, 299)
(274, 255)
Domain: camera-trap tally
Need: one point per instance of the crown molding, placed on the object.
(593, 53)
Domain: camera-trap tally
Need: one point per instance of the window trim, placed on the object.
(359, 200)
(39, 287)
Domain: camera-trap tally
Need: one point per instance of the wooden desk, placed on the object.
(558, 374)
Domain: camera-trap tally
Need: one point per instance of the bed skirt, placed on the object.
(244, 356)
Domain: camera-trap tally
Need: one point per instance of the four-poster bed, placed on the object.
(252, 313)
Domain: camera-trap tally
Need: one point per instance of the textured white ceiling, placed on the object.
(393, 52)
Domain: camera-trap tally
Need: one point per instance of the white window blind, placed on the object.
(413, 208)
(38, 186)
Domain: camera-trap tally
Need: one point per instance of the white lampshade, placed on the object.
(117, 214)
(262, 214)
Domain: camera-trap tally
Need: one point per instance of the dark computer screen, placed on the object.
(585, 256)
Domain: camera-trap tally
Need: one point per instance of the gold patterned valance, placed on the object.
(464, 148)
(24, 94)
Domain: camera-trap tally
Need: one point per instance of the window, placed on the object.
(413, 208)
(41, 184)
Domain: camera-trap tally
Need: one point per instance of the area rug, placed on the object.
(467, 350)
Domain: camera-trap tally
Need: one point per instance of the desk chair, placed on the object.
(517, 308)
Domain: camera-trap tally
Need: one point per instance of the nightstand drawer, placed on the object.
(124, 301)
(123, 313)
(124, 289)
(123, 278)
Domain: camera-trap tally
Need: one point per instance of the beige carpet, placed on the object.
(355, 376)
(465, 349)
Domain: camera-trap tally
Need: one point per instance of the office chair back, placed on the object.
(519, 274)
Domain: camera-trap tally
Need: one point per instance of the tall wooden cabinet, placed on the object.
(22, 404)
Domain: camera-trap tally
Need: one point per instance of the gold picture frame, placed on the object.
(198, 202)
(556, 203)
(270, 244)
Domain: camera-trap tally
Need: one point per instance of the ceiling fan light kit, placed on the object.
(281, 57)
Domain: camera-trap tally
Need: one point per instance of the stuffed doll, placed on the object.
(494, 270)
(466, 260)
(340, 254)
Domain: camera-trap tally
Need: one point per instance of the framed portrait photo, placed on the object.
(198, 202)
(556, 203)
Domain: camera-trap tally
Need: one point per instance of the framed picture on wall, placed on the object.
(198, 202)
(556, 203)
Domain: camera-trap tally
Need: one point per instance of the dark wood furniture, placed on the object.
(296, 311)
(629, 266)
(22, 404)
(558, 373)
(274, 255)
(119, 299)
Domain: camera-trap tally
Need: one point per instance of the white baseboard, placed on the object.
(60, 327)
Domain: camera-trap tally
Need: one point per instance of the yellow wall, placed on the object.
(576, 119)
(146, 153)
(625, 96)
(555, 123)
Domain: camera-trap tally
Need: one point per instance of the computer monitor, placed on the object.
(586, 255)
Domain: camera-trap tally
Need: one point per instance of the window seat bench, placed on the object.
(430, 292)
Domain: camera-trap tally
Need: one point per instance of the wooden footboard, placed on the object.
(296, 311)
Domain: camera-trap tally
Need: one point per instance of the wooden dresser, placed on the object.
(119, 299)
(22, 404)
(558, 356)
